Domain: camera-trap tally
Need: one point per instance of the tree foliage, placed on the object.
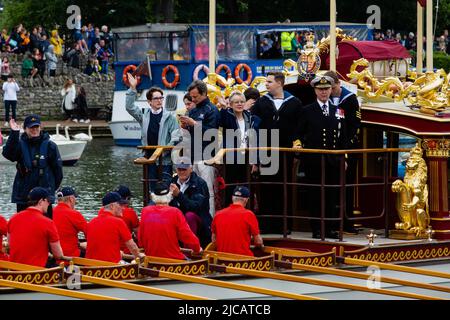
(399, 15)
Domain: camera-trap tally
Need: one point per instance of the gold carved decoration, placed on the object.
(436, 147)
(412, 199)
(429, 93)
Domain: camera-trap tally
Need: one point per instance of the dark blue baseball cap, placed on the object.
(124, 191)
(38, 193)
(32, 121)
(112, 197)
(66, 191)
(183, 163)
(241, 191)
(161, 188)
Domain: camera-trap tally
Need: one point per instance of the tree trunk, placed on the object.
(168, 7)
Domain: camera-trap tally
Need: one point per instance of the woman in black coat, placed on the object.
(239, 130)
(82, 108)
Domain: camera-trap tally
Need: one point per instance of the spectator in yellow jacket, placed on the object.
(286, 40)
(57, 42)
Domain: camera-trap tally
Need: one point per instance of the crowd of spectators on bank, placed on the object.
(43, 48)
(409, 40)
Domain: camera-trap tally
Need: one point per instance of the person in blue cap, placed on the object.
(234, 227)
(31, 235)
(39, 163)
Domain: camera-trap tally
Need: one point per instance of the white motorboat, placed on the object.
(70, 152)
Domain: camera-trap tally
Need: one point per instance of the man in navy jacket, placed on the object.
(38, 160)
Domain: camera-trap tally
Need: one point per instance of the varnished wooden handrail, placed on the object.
(222, 152)
(156, 147)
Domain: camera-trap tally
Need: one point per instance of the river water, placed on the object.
(101, 168)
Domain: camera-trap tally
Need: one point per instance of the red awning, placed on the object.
(350, 51)
(372, 50)
(423, 3)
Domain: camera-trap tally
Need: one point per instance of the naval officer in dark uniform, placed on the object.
(322, 126)
(347, 100)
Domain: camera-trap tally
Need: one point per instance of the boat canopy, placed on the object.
(191, 42)
(349, 51)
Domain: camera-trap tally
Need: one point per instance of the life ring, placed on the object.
(226, 68)
(129, 69)
(238, 70)
(175, 81)
(197, 69)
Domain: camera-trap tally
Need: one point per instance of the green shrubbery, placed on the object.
(441, 60)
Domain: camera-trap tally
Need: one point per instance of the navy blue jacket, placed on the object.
(228, 121)
(195, 199)
(49, 177)
(208, 115)
(284, 119)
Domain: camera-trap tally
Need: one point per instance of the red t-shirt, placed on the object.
(233, 227)
(68, 223)
(160, 230)
(104, 235)
(30, 234)
(3, 232)
(130, 217)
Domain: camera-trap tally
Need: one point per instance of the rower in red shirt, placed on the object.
(3, 232)
(31, 233)
(69, 222)
(162, 227)
(233, 227)
(129, 216)
(107, 231)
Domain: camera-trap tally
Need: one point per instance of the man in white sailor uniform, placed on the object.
(322, 126)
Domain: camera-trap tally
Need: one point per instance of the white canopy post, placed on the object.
(333, 35)
(212, 35)
(430, 36)
(419, 56)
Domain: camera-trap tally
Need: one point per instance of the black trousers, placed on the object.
(271, 197)
(234, 173)
(313, 175)
(10, 105)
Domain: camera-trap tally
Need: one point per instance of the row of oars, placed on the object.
(241, 287)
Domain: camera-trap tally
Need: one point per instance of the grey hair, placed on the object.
(108, 206)
(64, 199)
(236, 93)
(164, 199)
(235, 199)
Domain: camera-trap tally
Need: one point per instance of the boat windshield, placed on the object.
(160, 46)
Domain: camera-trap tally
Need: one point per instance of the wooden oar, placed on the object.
(225, 284)
(111, 283)
(381, 265)
(319, 282)
(194, 279)
(55, 291)
(358, 275)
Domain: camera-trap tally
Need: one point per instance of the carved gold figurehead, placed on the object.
(412, 199)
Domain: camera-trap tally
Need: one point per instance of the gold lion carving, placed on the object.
(412, 199)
